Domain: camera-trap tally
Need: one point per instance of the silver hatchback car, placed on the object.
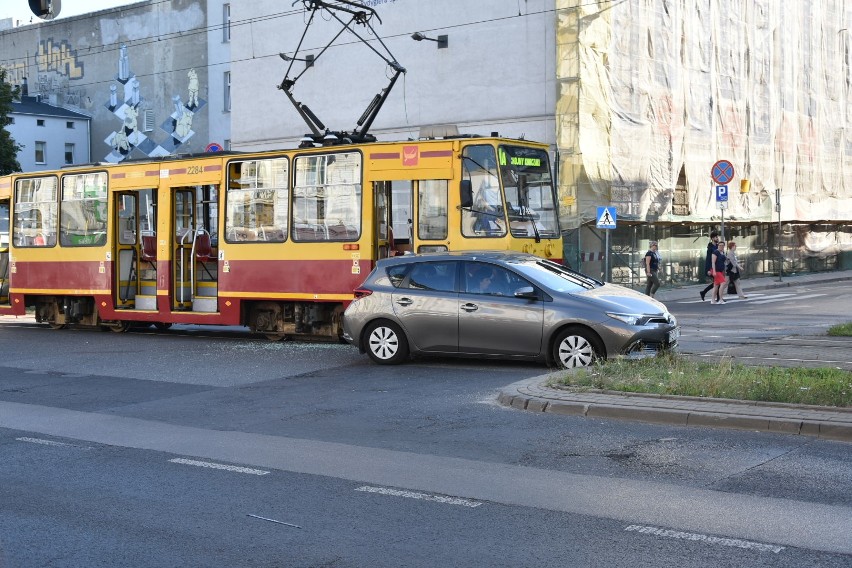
(501, 304)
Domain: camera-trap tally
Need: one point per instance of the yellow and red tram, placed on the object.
(275, 241)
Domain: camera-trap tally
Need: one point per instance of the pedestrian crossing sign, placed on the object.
(606, 218)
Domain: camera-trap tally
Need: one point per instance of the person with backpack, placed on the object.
(652, 266)
(708, 262)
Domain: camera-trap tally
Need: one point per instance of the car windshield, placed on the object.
(556, 277)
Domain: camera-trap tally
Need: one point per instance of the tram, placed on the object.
(275, 241)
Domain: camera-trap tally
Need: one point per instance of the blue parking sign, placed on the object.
(721, 193)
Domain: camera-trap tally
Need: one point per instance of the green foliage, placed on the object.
(8, 147)
(679, 375)
(841, 330)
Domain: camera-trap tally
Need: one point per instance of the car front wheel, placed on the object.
(576, 347)
(386, 343)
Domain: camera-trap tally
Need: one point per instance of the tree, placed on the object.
(8, 147)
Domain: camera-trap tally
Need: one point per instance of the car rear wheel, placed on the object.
(386, 343)
(576, 347)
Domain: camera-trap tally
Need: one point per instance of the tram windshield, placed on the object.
(528, 185)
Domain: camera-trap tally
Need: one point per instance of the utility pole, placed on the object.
(780, 254)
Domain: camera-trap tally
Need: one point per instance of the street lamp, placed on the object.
(442, 40)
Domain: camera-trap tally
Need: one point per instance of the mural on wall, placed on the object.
(126, 102)
(56, 64)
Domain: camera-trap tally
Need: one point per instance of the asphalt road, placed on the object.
(203, 448)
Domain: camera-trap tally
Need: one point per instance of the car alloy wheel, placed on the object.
(576, 348)
(386, 343)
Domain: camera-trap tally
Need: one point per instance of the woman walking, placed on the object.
(718, 273)
(733, 270)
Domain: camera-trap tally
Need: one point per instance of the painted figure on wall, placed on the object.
(193, 89)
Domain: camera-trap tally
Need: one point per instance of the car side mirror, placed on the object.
(466, 192)
(527, 292)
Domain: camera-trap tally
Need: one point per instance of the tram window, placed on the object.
(327, 197)
(485, 218)
(35, 212)
(258, 199)
(432, 209)
(4, 225)
(83, 210)
(529, 192)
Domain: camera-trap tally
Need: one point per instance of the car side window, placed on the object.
(437, 276)
(396, 274)
(489, 279)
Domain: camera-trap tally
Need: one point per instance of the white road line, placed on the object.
(48, 442)
(735, 542)
(780, 298)
(211, 465)
(424, 496)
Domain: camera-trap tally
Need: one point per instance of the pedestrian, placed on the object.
(718, 272)
(734, 271)
(708, 261)
(652, 267)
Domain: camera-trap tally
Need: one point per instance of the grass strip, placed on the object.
(679, 375)
(840, 330)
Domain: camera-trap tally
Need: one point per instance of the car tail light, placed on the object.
(362, 292)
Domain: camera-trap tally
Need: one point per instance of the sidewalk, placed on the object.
(822, 422)
(691, 292)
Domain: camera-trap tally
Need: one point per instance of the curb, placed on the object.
(534, 396)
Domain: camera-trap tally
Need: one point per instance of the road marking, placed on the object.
(423, 496)
(781, 297)
(49, 442)
(735, 542)
(274, 521)
(211, 465)
(717, 352)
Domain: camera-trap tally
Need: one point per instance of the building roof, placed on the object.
(34, 106)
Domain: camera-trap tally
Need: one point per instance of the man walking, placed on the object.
(708, 262)
(652, 267)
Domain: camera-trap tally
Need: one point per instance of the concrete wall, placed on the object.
(125, 67)
(497, 73)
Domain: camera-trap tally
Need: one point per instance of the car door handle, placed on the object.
(405, 301)
(469, 307)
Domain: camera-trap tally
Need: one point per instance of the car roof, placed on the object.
(501, 256)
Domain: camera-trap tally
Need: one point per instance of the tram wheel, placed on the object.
(57, 325)
(162, 326)
(119, 327)
(276, 336)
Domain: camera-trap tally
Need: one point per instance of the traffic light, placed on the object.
(45, 9)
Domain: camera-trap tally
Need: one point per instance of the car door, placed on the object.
(427, 306)
(491, 319)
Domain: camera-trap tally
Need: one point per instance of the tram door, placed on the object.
(195, 215)
(4, 252)
(135, 251)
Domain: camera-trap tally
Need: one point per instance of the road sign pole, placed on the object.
(607, 276)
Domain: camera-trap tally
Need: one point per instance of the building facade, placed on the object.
(51, 137)
(140, 71)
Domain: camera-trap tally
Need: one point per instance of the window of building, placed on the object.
(227, 83)
(227, 145)
(69, 154)
(258, 201)
(39, 122)
(83, 211)
(69, 124)
(226, 23)
(40, 152)
(35, 212)
(327, 197)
